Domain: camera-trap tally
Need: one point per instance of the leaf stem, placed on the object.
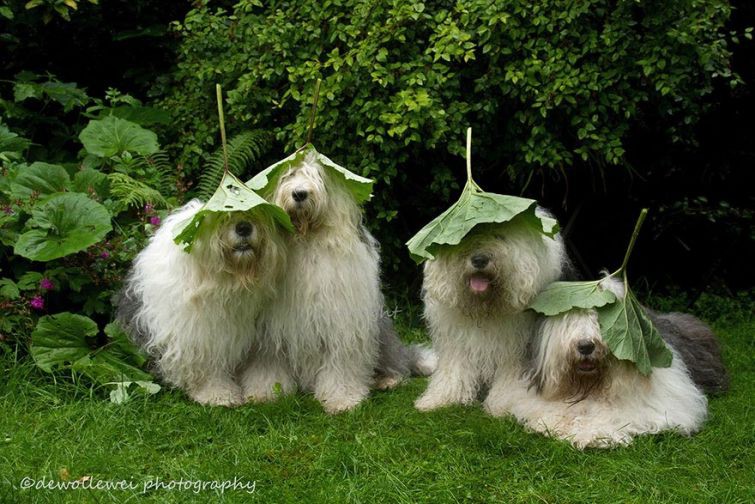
(623, 269)
(470, 180)
(221, 117)
(469, 153)
(313, 112)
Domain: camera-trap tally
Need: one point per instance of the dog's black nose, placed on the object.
(585, 346)
(299, 195)
(479, 261)
(243, 228)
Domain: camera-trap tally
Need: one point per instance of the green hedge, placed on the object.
(547, 85)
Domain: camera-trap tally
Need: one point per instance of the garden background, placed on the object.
(595, 108)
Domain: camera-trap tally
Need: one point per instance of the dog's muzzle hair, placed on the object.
(239, 244)
(494, 270)
(302, 193)
(571, 359)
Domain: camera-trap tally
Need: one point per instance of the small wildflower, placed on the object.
(7, 210)
(46, 284)
(37, 303)
(148, 208)
(104, 254)
(155, 220)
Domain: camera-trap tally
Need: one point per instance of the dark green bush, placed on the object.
(547, 85)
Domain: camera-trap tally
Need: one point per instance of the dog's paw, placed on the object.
(388, 382)
(335, 405)
(583, 440)
(262, 388)
(429, 402)
(218, 394)
(496, 407)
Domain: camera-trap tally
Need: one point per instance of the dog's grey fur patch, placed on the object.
(397, 359)
(127, 306)
(697, 346)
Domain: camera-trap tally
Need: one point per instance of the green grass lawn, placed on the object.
(384, 451)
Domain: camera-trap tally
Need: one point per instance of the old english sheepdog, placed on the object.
(576, 390)
(476, 295)
(195, 313)
(327, 331)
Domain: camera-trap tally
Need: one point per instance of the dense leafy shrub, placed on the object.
(69, 230)
(548, 85)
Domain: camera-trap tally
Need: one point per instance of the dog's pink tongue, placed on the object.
(479, 284)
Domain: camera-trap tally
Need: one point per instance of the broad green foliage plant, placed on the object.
(68, 232)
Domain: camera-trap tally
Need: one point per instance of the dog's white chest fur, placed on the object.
(328, 303)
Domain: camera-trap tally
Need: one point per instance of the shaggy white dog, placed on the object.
(195, 313)
(476, 294)
(326, 331)
(577, 390)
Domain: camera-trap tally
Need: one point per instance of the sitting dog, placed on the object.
(327, 331)
(578, 391)
(476, 295)
(195, 313)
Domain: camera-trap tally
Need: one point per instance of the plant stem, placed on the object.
(623, 269)
(469, 155)
(221, 117)
(313, 112)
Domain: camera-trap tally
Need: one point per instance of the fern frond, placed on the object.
(132, 193)
(161, 164)
(243, 150)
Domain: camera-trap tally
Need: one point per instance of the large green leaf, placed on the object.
(42, 178)
(630, 335)
(231, 196)
(63, 224)
(112, 135)
(89, 180)
(118, 360)
(560, 297)
(267, 179)
(59, 340)
(474, 207)
(65, 341)
(11, 145)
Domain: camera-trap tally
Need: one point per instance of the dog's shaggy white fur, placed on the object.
(195, 313)
(476, 294)
(576, 390)
(326, 331)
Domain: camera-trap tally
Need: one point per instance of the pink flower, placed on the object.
(37, 303)
(46, 284)
(105, 254)
(155, 220)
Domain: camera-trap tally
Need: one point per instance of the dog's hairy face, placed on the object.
(244, 244)
(496, 269)
(571, 360)
(303, 194)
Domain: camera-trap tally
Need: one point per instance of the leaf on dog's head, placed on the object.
(630, 335)
(266, 180)
(624, 326)
(560, 297)
(475, 207)
(231, 196)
